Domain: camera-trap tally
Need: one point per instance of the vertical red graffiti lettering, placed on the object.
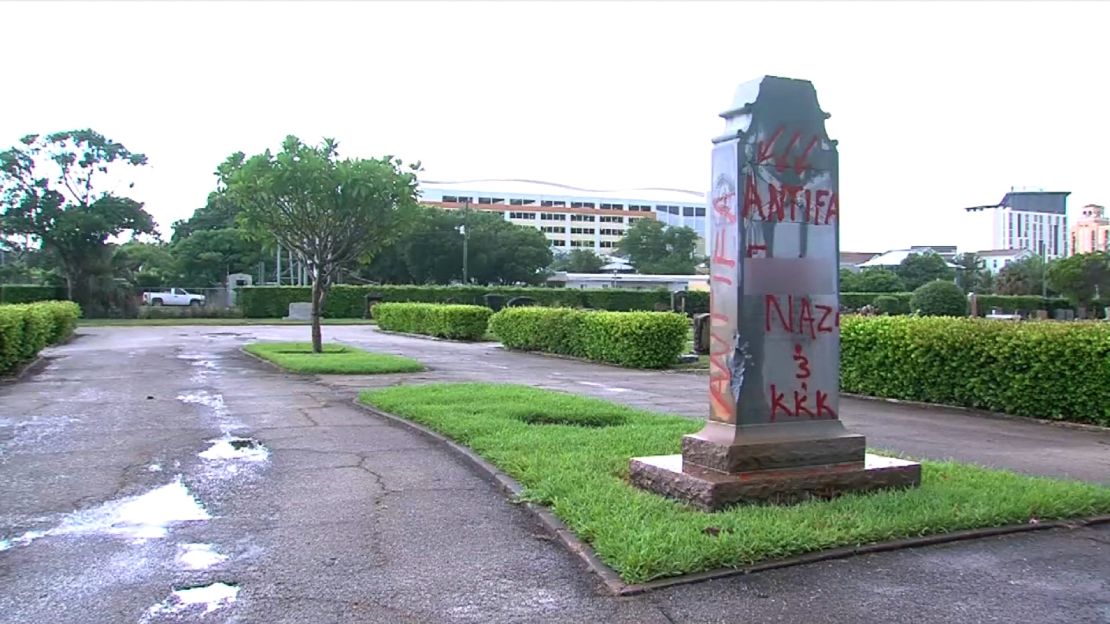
(754, 249)
(751, 198)
(781, 160)
(786, 320)
(823, 405)
(834, 208)
(805, 317)
(801, 162)
(800, 404)
(825, 324)
(819, 199)
(721, 207)
(777, 403)
(803, 363)
(774, 204)
(766, 150)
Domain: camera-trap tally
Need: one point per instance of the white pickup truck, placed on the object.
(172, 297)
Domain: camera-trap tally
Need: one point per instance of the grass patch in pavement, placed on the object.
(336, 359)
(579, 473)
(170, 322)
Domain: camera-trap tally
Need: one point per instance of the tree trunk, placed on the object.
(317, 304)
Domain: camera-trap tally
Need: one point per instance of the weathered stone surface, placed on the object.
(771, 455)
(711, 491)
(299, 312)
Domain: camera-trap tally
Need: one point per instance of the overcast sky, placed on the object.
(936, 105)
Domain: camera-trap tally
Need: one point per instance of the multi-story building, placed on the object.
(994, 260)
(1033, 220)
(573, 218)
(1092, 231)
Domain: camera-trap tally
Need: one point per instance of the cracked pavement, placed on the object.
(351, 519)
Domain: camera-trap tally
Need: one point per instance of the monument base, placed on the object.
(710, 491)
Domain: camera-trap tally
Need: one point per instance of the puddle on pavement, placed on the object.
(231, 448)
(213, 401)
(190, 599)
(198, 556)
(141, 517)
(34, 431)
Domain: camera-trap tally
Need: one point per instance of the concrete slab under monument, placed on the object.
(710, 490)
(773, 432)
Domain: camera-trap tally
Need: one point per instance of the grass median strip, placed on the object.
(571, 454)
(336, 359)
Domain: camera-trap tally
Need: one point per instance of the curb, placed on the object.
(618, 587)
(23, 370)
(980, 412)
(279, 368)
(433, 338)
(571, 358)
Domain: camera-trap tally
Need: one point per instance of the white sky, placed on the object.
(936, 105)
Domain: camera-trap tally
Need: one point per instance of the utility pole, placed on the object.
(1044, 273)
(466, 239)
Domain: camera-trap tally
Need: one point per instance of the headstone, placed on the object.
(701, 334)
(773, 432)
(678, 301)
(518, 302)
(494, 301)
(972, 305)
(299, 312)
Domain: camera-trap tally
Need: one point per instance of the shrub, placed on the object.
(634, 339)
(1049, 370)
(939, 298)
(460, 322)
(29, 293)
(891, 305)
(25, 329)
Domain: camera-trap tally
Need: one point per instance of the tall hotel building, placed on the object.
(570, 217)
(1033, 220)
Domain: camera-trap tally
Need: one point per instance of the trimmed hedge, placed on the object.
(25, 329)
(459, 322)
(939, 298)
(1058, 371)
(633, 339)
(30, 293)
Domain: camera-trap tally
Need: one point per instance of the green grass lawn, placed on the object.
(579, 471)
(336, 359)
(212, 321)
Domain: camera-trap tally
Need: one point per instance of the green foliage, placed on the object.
(458, 322)
(939, 298)
(972, 276)
(186, 312)
(334, 359)
(50, 194)
(25, 329)
(580, 474)
(206, 257)
(1018, 304)
(145, 265)
(921, 268)
(652, 247)
(578, 261)
(1081, 277)
(857, 300)
(880, 281)
(346, 301)
(1021, 277)
(1026, 369)
(849, 281)
(633, 339)
(330, 212)
(429, 249)
(891, 304)
(27, 293)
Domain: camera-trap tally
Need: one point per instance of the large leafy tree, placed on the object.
(206, 257)
(1082, 277)
(1021, 277)
(652, 247)
(578, 261)
(329, 211)
(148, 265)
(880, 280)
(430, 250)
(54, 193)
(921, 268)
(972, 275)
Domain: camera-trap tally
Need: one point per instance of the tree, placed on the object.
(972, 275)
(578, 261)
(652, 247)
(218, 213)
(920, 268)
(330, 212)
(50, 194)
(1082, 277)
(430, 250)
(1021, 277)
(849, 281)
(206, 257)
(880, 280)
(939, 298)
(147, 265)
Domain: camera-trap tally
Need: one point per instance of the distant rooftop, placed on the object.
(1052, 202)
(1002, 252)
(539, 188)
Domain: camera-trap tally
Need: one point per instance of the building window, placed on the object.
(610, 232)
(611, 219)
(581, 204)
(699, 211)
(558, 242)
(582, 217)
(552, 204)
(687, 211)
(450, 198)
(521, 202)
(607, 244)
(485, 200)
(547, 216)
(575, 230)
(581, 243)
(612, 206)
(522, 215)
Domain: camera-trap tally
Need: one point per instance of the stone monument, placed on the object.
(773, 432)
